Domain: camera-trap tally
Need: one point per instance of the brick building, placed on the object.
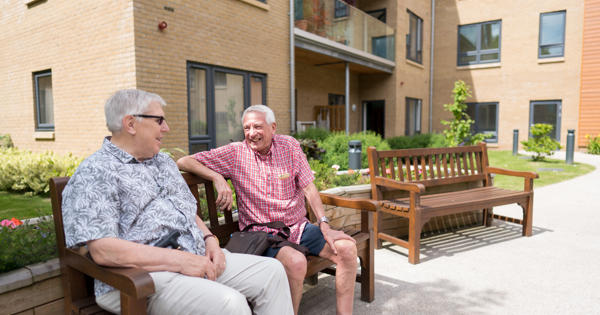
(525, 63)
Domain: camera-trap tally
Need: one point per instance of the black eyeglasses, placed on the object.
(160, 120)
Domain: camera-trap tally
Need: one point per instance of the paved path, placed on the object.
(494, 270)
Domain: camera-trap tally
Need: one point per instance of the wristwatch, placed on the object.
(322, 219)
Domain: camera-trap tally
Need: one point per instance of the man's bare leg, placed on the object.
(345, 275)
(294, 263)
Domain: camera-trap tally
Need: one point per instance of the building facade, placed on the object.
(366, 62)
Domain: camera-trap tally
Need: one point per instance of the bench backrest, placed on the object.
(429, 166)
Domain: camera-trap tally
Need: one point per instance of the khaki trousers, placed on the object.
(247, 278)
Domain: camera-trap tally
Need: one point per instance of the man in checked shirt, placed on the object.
(271, 177)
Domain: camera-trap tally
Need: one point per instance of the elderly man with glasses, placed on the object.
(127, 197)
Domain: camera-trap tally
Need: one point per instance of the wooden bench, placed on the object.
(78, 269)
(416, 171)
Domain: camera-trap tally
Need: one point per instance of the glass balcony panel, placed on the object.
(345, 24)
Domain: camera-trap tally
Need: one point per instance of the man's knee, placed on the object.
(346, 250)
(293, 261)
(233, 302)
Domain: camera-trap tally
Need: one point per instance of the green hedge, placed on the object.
(336, 147)
(318, 134)
(27, 244)
(24, 171)
(428, 140)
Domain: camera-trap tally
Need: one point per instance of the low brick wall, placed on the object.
(349, 218)
(34, 289)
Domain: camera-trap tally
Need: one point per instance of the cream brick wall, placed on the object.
(89, 48)
(520, 78)
(228, 33)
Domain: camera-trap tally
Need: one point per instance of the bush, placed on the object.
(593, 146)
(24, 171)
(6, 141)
(459, 128)
(325, 176)
(318, 134)
(311, 149)
(428, 140)
(540, 143)
(336, 147)
(26, 244)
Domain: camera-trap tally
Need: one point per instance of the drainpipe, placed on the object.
(292, 72)
(431, 67)
(347, 98)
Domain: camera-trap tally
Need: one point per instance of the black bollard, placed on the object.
(570, 145)
(515, 141)
(354, 154)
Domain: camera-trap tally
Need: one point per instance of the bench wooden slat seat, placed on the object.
(417, 170)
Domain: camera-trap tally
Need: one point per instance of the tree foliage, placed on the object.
(459, 128)
(540, 142)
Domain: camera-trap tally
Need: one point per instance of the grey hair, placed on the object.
(128, 102)
(269, 115)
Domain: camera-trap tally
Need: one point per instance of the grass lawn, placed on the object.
(550, 171)
(23, 207)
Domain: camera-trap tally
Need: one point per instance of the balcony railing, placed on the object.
(345, 24)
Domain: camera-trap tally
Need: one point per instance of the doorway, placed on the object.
(374, 116)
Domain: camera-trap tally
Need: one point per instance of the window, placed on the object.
(44, 104)
(217, 97)
(552, 34)
(413, 116)
(479, 43)
(485, 116)
(414, 39)
(341, 8)
(546, 112)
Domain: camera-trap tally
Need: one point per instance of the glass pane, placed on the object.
(46, 106)
(486, 118)
(256, 91)
(467, 36)
(380, 46)
(490, 36)
(197, 88)
(198, 147)
(466, 59)
(492, 56)
(229, 105)
(552, 28)
(412, 54)
(545, 113)
(556, 50)
(413, 115)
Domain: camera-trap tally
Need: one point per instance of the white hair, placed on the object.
(128, 102)
(269, 115)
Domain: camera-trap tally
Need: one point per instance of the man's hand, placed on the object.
(331, 236)
(197, 266)
(224, 194)
(215, 254)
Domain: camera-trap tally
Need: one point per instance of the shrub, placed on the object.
(459, 128)
(318, 134)
(26, 244)
(593, 146)
(24, 171)
(540, 143)
(336, 147)
(325, 176)
(428, 140)
(311, 149)
(6, 141)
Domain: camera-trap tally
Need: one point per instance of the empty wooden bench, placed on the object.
(416, 171)
(78, 269)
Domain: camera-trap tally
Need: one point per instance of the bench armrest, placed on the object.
(414, 187)
(354, 203)
(502, 171)
(134, 282)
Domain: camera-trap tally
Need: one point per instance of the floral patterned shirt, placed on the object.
(268, 187)
(114, 195)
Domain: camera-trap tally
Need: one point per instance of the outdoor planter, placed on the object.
(34, 289)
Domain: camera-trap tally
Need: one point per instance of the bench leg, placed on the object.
(488, 216)
(131, 306)
(527, 217)
(414, 239)
(376, 230)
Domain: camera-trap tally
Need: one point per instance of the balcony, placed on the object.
(334, 28)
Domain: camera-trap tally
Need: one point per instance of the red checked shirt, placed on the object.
(268, 187)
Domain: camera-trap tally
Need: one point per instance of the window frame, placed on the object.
(564, 16)
(340, 9)
(210, 138)
(479, 51)
(419, 33)
(558, 115)
(474, 127)
(416, 101)
(38, 125)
